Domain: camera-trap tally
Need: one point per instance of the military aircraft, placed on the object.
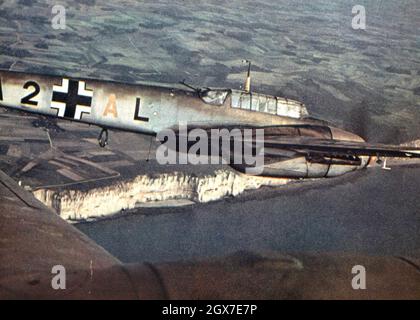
(35, 240)
(295, 145)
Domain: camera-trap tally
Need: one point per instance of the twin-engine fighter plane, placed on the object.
(295, 145)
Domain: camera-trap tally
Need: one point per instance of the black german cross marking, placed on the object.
(137, 112)
(72, 99)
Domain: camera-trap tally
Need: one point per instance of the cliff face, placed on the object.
(413, 144)
(123, 195)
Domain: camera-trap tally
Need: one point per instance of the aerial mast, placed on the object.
(247, 86)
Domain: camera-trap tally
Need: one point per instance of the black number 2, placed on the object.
(29, 97)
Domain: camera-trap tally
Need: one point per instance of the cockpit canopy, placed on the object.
(254, 102)
(268, 104)
(214, 97)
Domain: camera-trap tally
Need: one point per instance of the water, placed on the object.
(373, 212)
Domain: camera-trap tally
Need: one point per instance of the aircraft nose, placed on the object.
(340, 134)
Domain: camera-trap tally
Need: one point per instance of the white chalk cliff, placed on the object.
(124, 195)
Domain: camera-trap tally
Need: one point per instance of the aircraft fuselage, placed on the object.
(150, 108)
(144, 108)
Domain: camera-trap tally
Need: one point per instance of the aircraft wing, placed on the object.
(334, 148)
(287, 141)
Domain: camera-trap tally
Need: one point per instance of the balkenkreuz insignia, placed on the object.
(71, 99)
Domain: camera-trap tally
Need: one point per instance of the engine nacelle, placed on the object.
(290, 161)
(307, 167)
